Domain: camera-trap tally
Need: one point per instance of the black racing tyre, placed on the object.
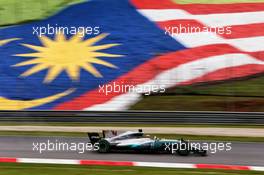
(203, 153)
(183, 151)
(104, 146)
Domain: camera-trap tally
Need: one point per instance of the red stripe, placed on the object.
(231, 73)
(8, 160)
(149, 69)
(258, 55)
(244, 31)
(105, 163)
(238, 31)
(154, 4)
(199, 8)
(225, 167)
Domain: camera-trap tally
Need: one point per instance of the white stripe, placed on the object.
(198, 68)
(165, 15)
(198, 39)
(252, 44)
(180, 74)
(48, 161)
(257, 168)
(212, 20)
(164, 165)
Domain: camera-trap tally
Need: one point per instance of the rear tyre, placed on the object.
(184, 151)
(104, 146)
(203, 153)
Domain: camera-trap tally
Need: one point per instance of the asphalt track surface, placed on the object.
(22, 147)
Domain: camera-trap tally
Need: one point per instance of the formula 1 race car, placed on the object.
(131, 141)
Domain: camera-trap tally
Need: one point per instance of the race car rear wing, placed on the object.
(95, 137)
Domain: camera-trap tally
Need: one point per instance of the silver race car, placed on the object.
(131, 141)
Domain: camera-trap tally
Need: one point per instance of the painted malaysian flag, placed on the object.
(127, 45)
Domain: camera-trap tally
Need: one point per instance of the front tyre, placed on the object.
(104, 146)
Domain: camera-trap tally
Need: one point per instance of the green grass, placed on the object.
(208, 137)
(240, 95)
(38, 133)
(200, 103)
(249, 87)
(38, 169)
(214, 1)
(17, 11)
(167, 136)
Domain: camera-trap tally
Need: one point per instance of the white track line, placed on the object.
(48, 161)
(129, 163)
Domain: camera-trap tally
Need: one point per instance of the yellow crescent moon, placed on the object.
(7, 104)
(5, 41)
